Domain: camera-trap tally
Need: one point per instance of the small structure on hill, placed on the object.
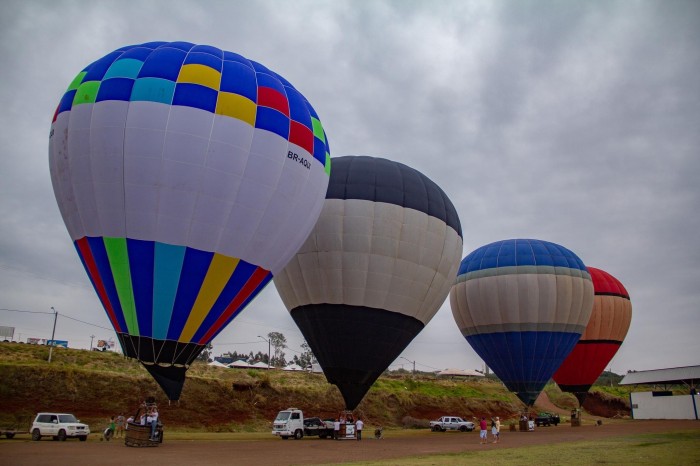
(465, 373)
(240, 364)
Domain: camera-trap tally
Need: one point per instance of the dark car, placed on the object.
(547, 419)
(315, 426)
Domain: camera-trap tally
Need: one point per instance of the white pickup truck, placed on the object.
(291, 423)
(451, 423)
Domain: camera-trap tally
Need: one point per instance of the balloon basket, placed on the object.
(576, 418)
(138, 435)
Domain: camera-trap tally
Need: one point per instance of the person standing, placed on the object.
(153, 419)
(109, 431)
(483, 430)
(358, 428)
(496, 430)
(121, 422)
(336, 429)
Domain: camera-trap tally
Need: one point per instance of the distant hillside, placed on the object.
(96, 385)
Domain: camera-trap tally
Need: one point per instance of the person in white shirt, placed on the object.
(336, 429)
(358, 428)
(153, 421)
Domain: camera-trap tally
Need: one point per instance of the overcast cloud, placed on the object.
(572, 122)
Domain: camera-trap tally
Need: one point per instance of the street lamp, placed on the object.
(268, 350)
(413, 362)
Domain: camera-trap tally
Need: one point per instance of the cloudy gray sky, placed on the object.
(572, 122)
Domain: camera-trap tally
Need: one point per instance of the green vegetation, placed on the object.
(446, 388)
(559, 398)
(616, 391)
(96, 385)
(674, 448)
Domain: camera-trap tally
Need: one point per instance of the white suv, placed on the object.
(59, 426)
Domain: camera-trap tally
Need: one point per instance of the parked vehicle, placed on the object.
(314, 426)
(291, 423)
(20, 425)
(547, 419)
(446, 423)
(59, 426)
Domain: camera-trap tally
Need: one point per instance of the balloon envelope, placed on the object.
(187, 176)
(522, 304)
(375, 269)
(606, 330)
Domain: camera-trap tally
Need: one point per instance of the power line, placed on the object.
(60, 314)
(28, 312)
(86, 323)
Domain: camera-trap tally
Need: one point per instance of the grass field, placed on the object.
(673, 448)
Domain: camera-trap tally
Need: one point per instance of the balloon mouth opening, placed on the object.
(148, 364)
(166, 360)
(171, 379)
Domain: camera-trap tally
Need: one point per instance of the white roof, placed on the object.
(459, 373)
(676, 375)
(260, 365)
(239, 363)
(217, 364)
(316, 368)
(293, 367)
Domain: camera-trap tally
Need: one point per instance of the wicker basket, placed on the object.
(138, 435)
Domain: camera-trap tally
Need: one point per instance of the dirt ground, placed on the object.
(22, 451)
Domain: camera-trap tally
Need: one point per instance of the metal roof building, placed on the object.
(662, 404)
(688, 375)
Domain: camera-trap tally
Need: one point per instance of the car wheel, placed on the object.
(298, 434)
(36, 435)
(62, 435)
(83, 438)
(435, 429)
(462, 428)
(10, 435)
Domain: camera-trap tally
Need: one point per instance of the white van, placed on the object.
(289, 423)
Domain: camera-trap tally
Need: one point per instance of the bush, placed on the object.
(409, 422)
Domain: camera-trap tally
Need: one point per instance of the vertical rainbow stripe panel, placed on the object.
(166, 292)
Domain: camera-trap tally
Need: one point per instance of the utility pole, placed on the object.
(268, 350)
(413, 362)
(53, 333)
(91, 338)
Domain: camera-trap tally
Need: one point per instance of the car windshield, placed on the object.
(282, 416)
(67, 418)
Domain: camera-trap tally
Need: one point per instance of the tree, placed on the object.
(206, 353)
(306, 358)
(278, 342)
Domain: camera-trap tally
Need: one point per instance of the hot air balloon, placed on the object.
(186, 176)
(374, 271)
(606, 330)
(522, 304)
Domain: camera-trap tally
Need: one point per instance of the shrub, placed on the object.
(409, 422)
